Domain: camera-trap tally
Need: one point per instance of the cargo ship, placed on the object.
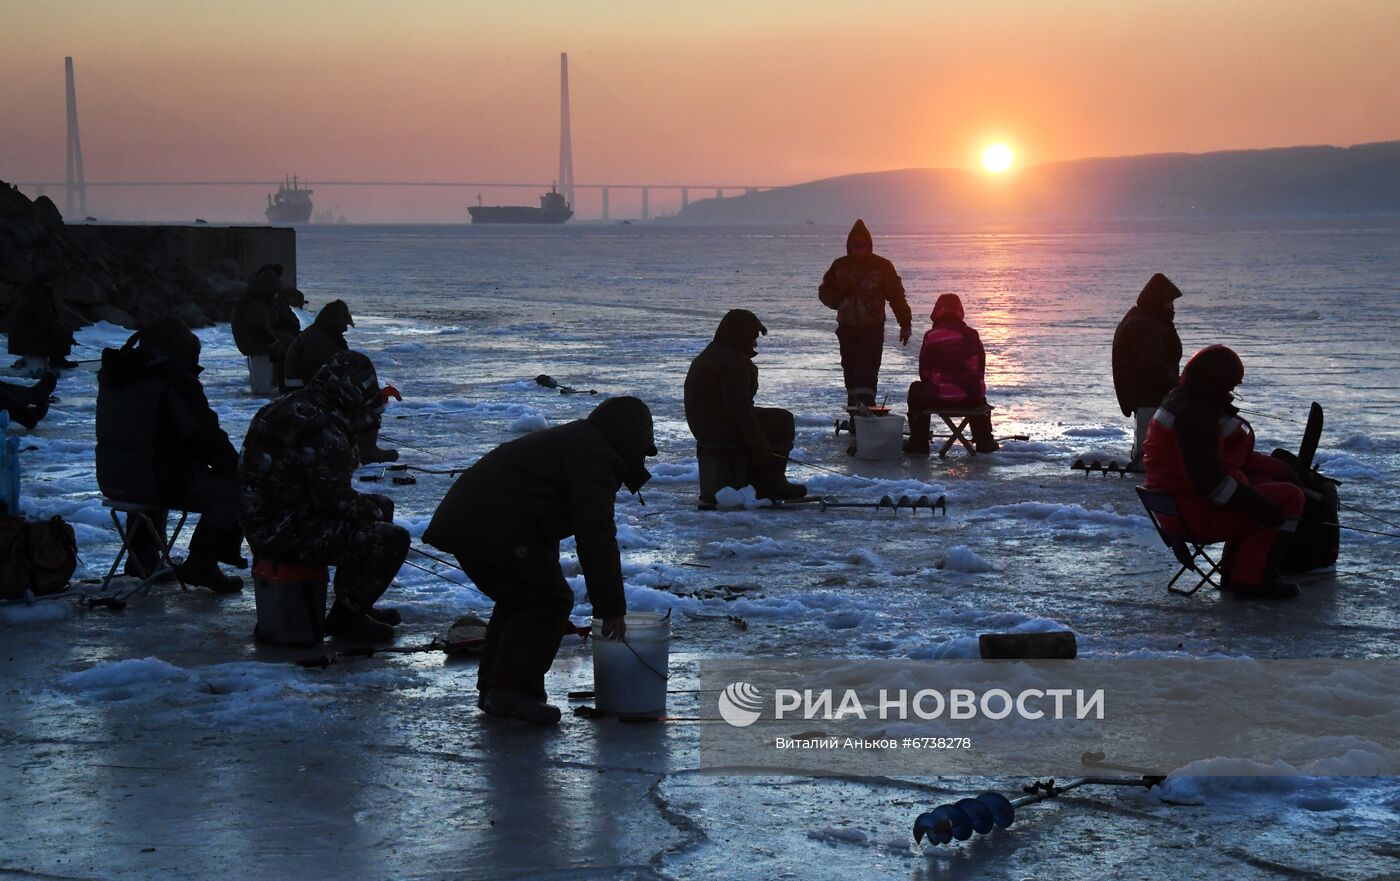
(553, 209)
(292, 204)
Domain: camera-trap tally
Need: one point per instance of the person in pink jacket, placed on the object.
(952, 376)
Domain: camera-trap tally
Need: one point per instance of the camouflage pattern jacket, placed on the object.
(295, 474)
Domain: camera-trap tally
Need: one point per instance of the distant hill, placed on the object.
(1364, 179)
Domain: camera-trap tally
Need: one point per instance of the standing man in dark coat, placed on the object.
(159, 443)
(719, 392)
(263, 322)
(858, 286)
(503, 520)
(299, 506)
(1146, 357)
(35, 330)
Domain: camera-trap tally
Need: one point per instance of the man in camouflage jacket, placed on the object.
(298, 505)
(858, 286)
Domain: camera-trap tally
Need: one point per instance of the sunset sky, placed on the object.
(735, 92)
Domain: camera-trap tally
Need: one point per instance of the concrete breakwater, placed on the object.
(129, 274)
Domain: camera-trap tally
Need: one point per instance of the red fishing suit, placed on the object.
(1201, 453)
(952, 376)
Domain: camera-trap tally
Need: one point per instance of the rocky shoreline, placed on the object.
(130, 275)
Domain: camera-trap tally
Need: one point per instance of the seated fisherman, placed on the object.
(1201, 452)
(28, 404)
(159, 443)
(263, 322)
(719, 393)
(315, 346)
(298, 503)
(952, 376)
(503, 520)
(34, 328)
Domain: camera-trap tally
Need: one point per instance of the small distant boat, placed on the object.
(292, 204)
(553, 209)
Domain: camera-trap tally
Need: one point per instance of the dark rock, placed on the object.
(46, 212)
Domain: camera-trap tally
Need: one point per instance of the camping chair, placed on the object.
(1188, 551)
(140, 517)
(957, 430)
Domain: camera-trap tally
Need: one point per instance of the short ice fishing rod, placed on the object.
(961, 819)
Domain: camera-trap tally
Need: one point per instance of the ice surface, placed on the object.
(168, 713)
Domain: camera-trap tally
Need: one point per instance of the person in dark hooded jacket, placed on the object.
(503, 520)
(35, 330)
(719, 391)
(1146, 357)
(27, 405)
(952, 376)
(159, 443)
(314, 347)
(263, 322)
(1200, 451)
(317, 344)
(298, 502)
(858, 286)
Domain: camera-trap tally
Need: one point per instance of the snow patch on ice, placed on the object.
(529, 422)
(1062, 516)
(838, 835)
(759, 547)
(746, 497)
(964, 559)
(39, 612)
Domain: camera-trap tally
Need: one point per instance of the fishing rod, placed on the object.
(1369, 515)
(962, 818)
(1352, 528)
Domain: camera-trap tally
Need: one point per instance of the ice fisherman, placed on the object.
(27, 405)
(503, 520)
(952, 376)
(35, 328)
(315, 346)
(159, 443)
(858, 286)
(1200, 452)
(298, 503)
(263, 322)
(1146, 357)
(719, 393)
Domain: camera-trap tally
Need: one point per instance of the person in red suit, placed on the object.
(952, 376)
(1201, 453)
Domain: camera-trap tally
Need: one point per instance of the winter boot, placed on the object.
(983, 441)
(510, 703)
(1273, 588)
(770, 481)
(207, 575)
(43, 389)
(387, 615)
(343, 622)
(919, 429)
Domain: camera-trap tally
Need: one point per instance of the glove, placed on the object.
(905, 331)
(389, 392)
(1247, 501)
(615, 627)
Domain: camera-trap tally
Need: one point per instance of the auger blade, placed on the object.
(978, 813)
(937, 829)
(1002, 810)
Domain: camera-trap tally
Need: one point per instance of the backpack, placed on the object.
(36, 558)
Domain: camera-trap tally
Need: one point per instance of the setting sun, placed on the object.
(997, 158)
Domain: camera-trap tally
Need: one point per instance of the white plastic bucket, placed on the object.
(35, 365)
(629, 675)
(260, 375)
(878, 437)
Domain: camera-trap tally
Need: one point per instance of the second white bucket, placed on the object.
(630, 675)
(878, 437)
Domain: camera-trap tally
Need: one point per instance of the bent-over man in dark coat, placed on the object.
(503, 520)
(1146, 357)
(299, 506)
(159, 443)
(858, 286)
(719, 392)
